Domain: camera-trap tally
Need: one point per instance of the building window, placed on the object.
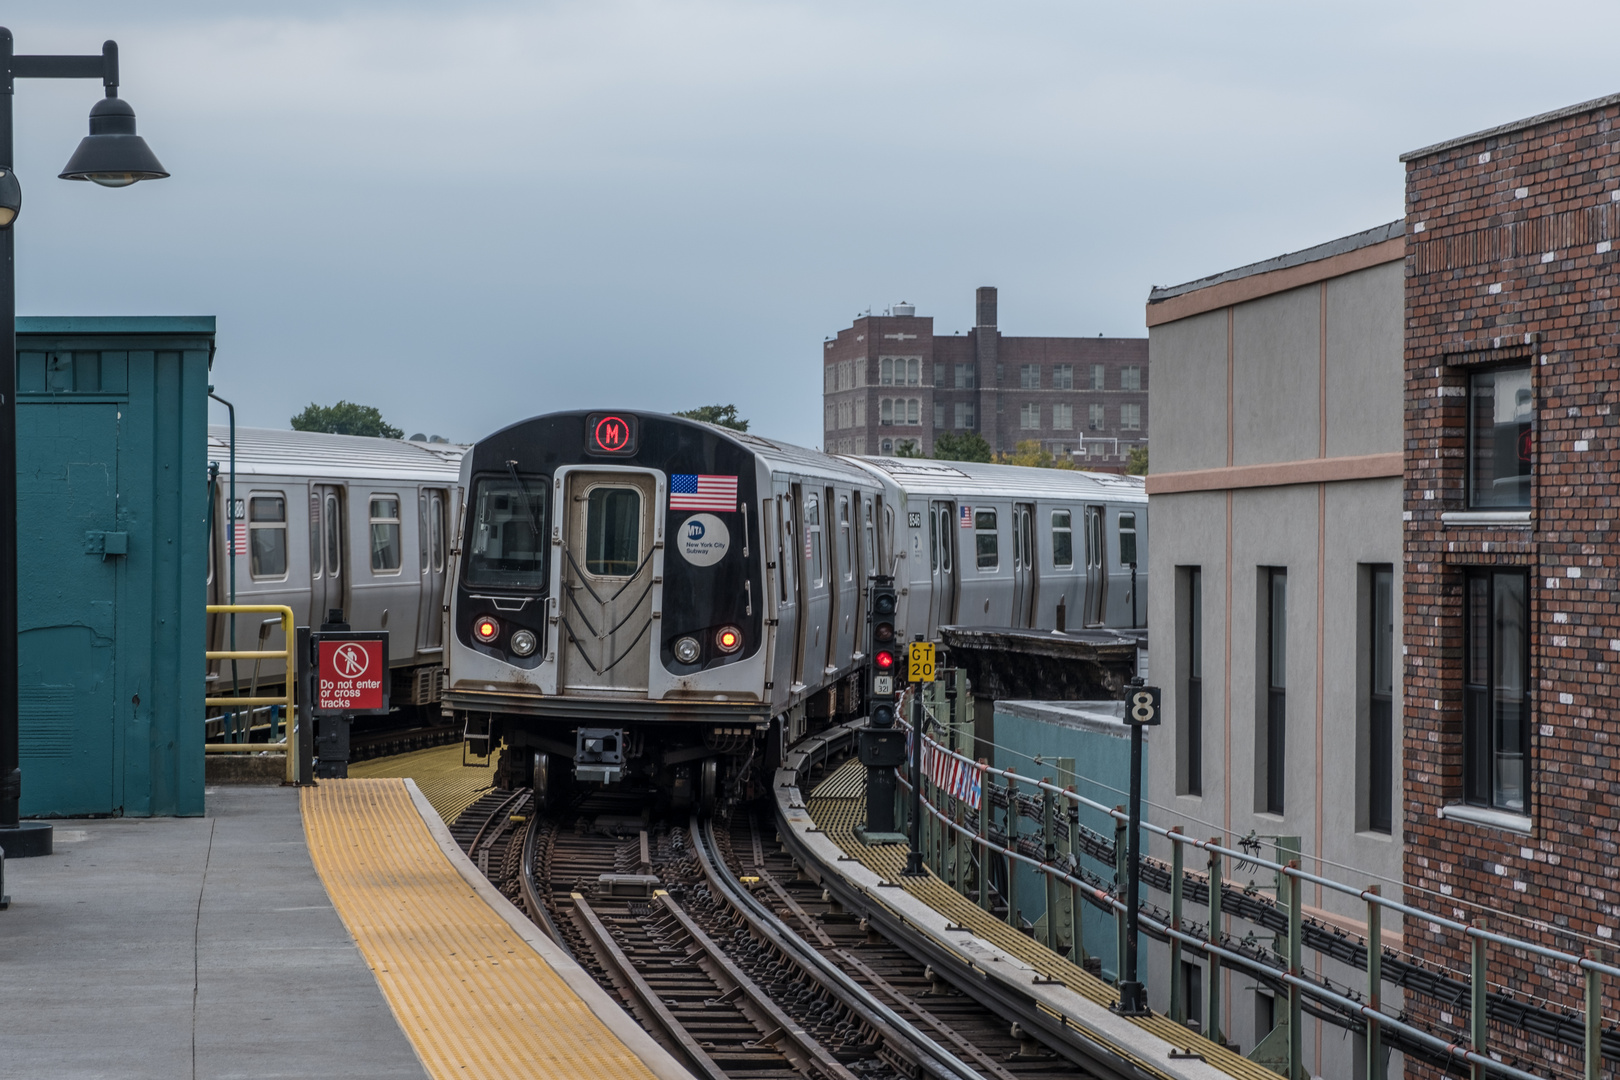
(985, 545)
(1062, 540)
(1063, 417)
(829, 413)
(887, 446)
(1500, 443)
(1130, 417)
(1063, 376)
(860, 412)
(385, 533)
(829, 380)
(964, 415)
(939, 414)
(1029, 377)
(885, 411)
(267, 536)
(1274, 671)
(1029, 417)
(1192, 705)
(1496, 692)
(900, 371)
(1096, 376)
(860, 372)
(1379, 672)
(964, 376)
(1094, 421)
(913, 412)
(1130, 378)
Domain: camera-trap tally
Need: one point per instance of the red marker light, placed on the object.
(487, 629)
(728, 639)
(884, 659)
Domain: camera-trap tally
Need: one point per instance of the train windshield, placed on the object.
(507, 544)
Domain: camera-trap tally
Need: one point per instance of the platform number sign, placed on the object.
(1142, 706)
(920, 662)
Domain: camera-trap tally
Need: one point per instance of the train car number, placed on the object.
(914, 520)
(920, 662)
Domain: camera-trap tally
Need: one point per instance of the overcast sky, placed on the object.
(467, 214)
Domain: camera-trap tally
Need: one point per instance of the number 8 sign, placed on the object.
(1142, 706)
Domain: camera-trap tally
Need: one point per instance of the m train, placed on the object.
(653, 601)
(328, 522)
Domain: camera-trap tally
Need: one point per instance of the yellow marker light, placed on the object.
(729, 639)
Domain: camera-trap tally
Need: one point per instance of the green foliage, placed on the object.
(346, 418)
(1136, 462)
(908, 448)
(723, 415)
(1031, 453)
(966, 446)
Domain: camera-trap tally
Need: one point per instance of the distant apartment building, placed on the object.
(890, 383)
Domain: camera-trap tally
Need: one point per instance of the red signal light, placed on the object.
(487, 629)
(728, 639)
(884, 659)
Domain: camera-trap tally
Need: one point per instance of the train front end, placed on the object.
(606, 620)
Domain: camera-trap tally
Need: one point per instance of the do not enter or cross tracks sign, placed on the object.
(351, 673)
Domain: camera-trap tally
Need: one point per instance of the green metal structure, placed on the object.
(112, 563)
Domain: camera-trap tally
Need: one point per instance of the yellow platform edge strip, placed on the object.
(475, 999)
(837, 813)
(448, 784)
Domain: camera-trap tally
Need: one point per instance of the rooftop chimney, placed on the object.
(985, 299)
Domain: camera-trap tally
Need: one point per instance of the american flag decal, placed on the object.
(240, 544)
(966, 517)
(689, 492)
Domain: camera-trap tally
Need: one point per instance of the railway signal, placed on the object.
(881, 745)
(882, 602)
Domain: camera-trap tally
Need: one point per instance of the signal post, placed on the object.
(880, 744)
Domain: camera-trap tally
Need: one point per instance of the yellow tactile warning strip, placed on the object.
(448, 784)
(475, 998)
(838, 804)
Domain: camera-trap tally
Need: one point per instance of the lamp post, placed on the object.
(112, 155)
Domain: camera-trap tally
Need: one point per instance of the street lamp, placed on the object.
(111, 155)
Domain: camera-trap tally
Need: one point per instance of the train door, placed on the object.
(328, 552)
(785, 562)
(1096, 566)
(431, 504)
(1024, 569)
(815, 602)
(941, 566)
(845, 580)
(607, 579)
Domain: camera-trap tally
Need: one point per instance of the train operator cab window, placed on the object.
(508, 535)
(1127, 539)
(1501, 408)
(1062, 540)
(871, 539)
(267, 536)
(612, 531)
(385, 534)
(985, 542)
(846, 550)
(812, 540)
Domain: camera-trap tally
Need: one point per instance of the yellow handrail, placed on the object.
(289, 638)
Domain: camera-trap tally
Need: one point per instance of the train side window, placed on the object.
(333, 517)
(871, 540)
(385, 533)
(784, 545)
(886, 542)
(985, 540)
(812, 540)
(1127, 539)
(422, 530)
(933, 542)
(790, 550)
(947, 538)
(612, 531)
(436, 530)
(1062, 540)
(846, 546)
(267, 536)
(314, 535)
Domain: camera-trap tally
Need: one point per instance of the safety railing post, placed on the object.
(984, 834)
(1048, 854)
(1178, 1007)
(1594, 1019)
(1213, 963)
(1375, 983)
(1010, 831)
(1068, 896)
(1121, 852)
(1478, 1020)
(1296, 1012)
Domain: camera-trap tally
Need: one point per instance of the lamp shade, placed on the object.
(10, 198)
(112, 155)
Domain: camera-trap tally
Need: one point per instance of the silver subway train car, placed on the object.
(647, 600)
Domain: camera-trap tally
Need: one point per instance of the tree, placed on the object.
(346, 418)
(1136, 462)
(1032, 453)
(909, 448)
(723, 415)
(967, 446)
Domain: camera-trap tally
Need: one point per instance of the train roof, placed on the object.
(925, 476)
(782, 455)
(274, 452)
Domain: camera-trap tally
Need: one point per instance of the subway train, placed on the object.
(645, 600)
(329, 522)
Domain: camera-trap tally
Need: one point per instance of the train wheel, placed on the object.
(709, 791)
(540, 771)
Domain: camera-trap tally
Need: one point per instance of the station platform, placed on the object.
(332, 931)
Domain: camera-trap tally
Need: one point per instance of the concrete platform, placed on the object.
(188, 947)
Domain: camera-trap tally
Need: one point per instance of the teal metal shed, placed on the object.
(112, 507)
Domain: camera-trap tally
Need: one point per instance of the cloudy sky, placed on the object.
(466, 214)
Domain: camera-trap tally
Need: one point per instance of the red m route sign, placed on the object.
(351, 676)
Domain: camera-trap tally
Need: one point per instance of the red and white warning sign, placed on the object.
(351, 675)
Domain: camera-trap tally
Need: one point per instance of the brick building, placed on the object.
(890, 381)
(1512, 614)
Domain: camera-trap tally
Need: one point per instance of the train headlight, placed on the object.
(884, 660)
(486, 629)
(728, 639)
(523, 642)
(687, 650)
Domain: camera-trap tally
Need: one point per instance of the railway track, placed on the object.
(706, 933)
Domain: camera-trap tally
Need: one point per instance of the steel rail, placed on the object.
(931, 1056)
(530, 893)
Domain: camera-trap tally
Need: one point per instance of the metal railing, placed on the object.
(289, 742)
(1059, 863)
